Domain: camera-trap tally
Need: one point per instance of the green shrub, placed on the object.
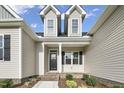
(122, 86)
(6, 83)
(85, 76)
(91, 81)
(118, 86)
(69, 77)
(71, 83)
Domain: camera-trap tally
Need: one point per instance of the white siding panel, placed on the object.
(105, 55)
(4, 14)
(28, 55)
(10, 69)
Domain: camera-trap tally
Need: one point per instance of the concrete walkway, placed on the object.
(46, 84)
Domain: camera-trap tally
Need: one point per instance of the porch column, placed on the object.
(60, 58)
(41, 61)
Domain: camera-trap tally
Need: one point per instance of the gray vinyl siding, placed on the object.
(4, 14)
(105, 55)
(28, 55)
(10, 69)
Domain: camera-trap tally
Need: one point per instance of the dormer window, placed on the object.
(74, 25)
(50, 25)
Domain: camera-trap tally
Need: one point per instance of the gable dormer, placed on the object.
(73, 21)
(51, 19)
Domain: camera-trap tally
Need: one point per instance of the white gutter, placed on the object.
(109, 10)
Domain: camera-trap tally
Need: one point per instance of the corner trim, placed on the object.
(20, 53)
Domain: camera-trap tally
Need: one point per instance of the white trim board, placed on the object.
(72, 7)
(52, 6)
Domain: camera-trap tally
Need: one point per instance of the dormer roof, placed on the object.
(78, 8)
(47, 8)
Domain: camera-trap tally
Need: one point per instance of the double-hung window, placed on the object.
(1, 47)
(50, 25)
(73, 58)
(68, 58)
(74, 25)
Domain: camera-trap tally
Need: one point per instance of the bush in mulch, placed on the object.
(6, 83)
(91, 81)
(69, 77)
(118, 86)
(71, 83)
(29, 83)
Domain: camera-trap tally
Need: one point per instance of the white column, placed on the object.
(60, 58)
(41, 59)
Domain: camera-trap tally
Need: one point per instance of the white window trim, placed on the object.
(78, 26)
(53, 25)
(78, 58)
(65, 58)
(72, 58)
(2, 45)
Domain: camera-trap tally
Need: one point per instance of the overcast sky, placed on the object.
(30, 13)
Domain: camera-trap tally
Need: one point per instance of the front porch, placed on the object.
(64, 57)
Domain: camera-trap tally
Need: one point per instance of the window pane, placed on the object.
(75, 25)
(1, 42)
(1, 45)
(75, 58)
(50, 25)
(1, 54)
(1, 38)
(68, 58)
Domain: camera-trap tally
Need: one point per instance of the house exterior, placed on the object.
(24, 53)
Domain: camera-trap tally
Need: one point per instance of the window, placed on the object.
(1, 47)
(5, 47)
(75, 57)
(67, 58)
(74, 25)
(50, 25)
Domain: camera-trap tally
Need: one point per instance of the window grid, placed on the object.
(74, 25)
(72, 58)
(50, 25)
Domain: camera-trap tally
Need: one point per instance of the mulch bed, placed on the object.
(80, 83)
(29, 83)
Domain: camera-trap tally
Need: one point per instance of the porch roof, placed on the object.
(65, 39)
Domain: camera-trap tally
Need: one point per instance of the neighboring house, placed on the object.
(99, 52)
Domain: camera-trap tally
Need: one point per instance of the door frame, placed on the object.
(49, 60)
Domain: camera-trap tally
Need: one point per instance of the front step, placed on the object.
(50, 77)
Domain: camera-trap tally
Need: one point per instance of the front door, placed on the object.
(53, 60)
